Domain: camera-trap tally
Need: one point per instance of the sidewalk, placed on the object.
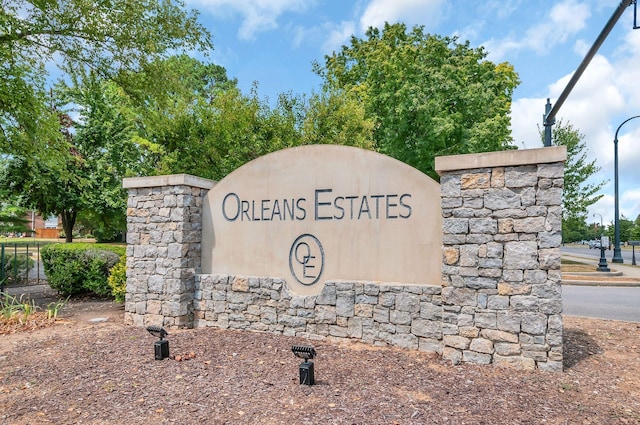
(40, 294)
(618, 273)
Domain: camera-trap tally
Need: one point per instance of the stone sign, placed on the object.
(340, 243)
(324, 212)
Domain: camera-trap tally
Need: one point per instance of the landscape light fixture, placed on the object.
(602, 265)
(161, 347)
(306, 368)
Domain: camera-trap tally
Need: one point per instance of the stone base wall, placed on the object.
(406, 316)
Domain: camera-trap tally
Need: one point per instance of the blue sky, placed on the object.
(274, 42)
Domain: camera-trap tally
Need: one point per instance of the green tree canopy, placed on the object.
(627, 227)
(12, 219)
(634, 232)
(107, 37)
(50, 190)
(206, 126)
(427, 95)
(336, 117)
(196, 121)
(578, 193)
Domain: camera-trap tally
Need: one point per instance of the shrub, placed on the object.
(16, 267)
(78, 268)
(118, 279)
(98, 263)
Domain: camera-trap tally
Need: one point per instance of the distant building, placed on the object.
(44, 228)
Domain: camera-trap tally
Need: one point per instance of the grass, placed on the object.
(21, 314)
(572, 266)
(577, 268)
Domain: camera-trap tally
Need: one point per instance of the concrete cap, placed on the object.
(168, 180)
(510, 158)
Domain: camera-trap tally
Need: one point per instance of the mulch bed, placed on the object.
(104, 373)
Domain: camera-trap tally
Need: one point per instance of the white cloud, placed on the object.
(627, 57)
(606, 94)
(563, 21)
(338, 36)
(589, 108)
(257, 15)
(526, 121)
(500, 8)
(334, 35)
(629, 207)
(631, 204)
(605, 207)
(410, 12)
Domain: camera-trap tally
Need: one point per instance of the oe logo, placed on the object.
(306, 259)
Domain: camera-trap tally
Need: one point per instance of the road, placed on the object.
(595, 253)
(615, 303)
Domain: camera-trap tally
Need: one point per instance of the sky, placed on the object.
(273, 43)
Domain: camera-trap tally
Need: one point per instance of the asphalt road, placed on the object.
(614, 303)
(603, 302)
(595, 253)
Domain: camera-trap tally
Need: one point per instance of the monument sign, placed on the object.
(324, 212)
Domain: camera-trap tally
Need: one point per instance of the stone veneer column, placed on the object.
(164, 235)
(502, 231)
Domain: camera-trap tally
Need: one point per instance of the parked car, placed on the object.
(595, 244)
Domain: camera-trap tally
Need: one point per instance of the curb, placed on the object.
(628, 284)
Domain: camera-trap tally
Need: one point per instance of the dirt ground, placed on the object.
(89, 368)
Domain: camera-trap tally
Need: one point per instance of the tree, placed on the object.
(626, 227)
(205, 125)
(212, 139)
(79, 35)
(49, 190)
(196, 121)
(12, 220)
(427, 95)
(105, 136)
(577, 194)
(336, 117)
(100, 149)
(634, 232)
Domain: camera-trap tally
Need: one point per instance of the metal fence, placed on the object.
(20, 264)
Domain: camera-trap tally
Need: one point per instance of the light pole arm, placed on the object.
(549, 118)
(615, 140)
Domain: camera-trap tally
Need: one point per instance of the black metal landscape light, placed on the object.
(161, 347)
(306, 368)
(602, 265)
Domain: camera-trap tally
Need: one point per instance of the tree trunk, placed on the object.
(68, 221)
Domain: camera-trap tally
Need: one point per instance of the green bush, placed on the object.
(118, 280)
(16, 267)
(78, 268)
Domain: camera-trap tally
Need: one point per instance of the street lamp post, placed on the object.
(617, 254)
(602, 265)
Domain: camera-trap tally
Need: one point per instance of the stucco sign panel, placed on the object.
(323, 212)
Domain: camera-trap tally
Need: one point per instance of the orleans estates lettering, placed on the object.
(325, 205)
